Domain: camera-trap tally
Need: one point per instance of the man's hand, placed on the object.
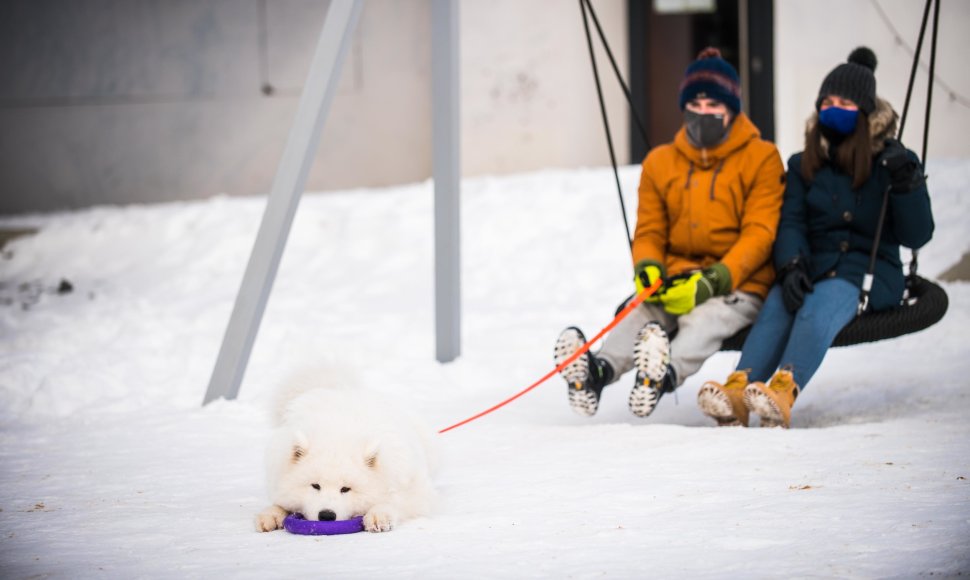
(646, 272)
(686, 292)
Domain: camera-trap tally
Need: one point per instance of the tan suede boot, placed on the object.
(725, 403)
(773, 402)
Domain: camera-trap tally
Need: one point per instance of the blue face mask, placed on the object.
(841, 120)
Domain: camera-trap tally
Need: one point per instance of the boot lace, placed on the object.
(737, 380)
(784, 382)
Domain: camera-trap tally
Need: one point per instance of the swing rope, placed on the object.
(584, 6)
(912, 72)
(616, 320)
(929, 83)
(606, 126)
(869, 277)
(616, 71)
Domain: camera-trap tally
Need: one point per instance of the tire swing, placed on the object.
(924, 302)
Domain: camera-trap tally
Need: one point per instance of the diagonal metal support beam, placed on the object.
(301, 146)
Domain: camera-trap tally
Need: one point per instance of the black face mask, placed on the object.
(705, 131)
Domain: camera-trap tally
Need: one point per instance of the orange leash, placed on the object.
(620, 316)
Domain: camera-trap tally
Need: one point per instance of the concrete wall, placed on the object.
(528, 95)
(133, 101)
(130, 101)
(811, 38)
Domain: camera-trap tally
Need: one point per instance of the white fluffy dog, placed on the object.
(338, 451)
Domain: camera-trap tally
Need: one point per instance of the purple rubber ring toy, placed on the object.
(297, 524)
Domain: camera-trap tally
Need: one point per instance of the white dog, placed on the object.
(338, 452)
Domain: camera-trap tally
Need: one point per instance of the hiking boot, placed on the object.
(725, 403)
(586, 376)
(655, 376)
(773, 402)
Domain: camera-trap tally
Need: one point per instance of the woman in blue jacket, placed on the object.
(833, 196)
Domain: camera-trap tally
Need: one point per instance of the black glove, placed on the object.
(795, 283)
(904, 172)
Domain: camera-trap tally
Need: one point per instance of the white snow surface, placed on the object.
(111, 468)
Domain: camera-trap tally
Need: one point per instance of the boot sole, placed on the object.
(581, 401)
(716, 405)
(652, 342)
(643, 399)
(762, 405)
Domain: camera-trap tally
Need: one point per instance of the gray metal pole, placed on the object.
(341, 19)
(447, 178)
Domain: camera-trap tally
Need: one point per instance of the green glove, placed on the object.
(685, 293)
(646, 272)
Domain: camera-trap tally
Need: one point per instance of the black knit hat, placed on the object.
(853, 80)
(713, 77)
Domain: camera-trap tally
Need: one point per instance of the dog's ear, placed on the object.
(300, 446)
(370, 457)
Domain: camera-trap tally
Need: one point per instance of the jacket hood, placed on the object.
(741, 132)
(883, 124)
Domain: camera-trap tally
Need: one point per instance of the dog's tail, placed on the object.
(319, 377)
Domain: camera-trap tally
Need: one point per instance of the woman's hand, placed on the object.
(795, 284)
(904, 171)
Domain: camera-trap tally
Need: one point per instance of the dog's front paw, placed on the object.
(379, 519)
(270, 519)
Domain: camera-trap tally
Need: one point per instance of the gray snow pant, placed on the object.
(700, 332)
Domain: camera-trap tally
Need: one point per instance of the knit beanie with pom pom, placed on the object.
(712, 77)
(853, 80)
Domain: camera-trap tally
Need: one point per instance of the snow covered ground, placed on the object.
(110, 468)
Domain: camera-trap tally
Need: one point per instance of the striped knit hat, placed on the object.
(712, 77)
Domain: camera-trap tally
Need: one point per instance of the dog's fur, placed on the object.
(338, 448)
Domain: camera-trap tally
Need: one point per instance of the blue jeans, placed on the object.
(781, 339)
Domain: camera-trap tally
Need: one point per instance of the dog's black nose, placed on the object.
(327, 516)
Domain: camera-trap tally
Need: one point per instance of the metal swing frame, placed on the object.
(338, 27)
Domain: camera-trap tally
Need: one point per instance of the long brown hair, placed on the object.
(853, 155)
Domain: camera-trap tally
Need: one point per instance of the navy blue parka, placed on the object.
(832, 226)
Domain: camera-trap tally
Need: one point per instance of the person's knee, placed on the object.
(825, 312)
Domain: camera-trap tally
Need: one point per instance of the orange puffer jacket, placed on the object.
(701, 206)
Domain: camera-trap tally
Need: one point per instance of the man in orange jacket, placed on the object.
(709, 204)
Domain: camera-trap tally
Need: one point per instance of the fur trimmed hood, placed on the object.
(883, 124)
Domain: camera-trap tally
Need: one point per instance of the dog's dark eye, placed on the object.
(344, 489)
(315, 486)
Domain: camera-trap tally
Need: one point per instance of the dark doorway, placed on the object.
(664, 42)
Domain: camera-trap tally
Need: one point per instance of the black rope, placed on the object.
(606, 123)
(619, 77)
(929, 105)
(912, 72)
(867, 281)
(913, 262)
(929, 84)
(864, 294)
